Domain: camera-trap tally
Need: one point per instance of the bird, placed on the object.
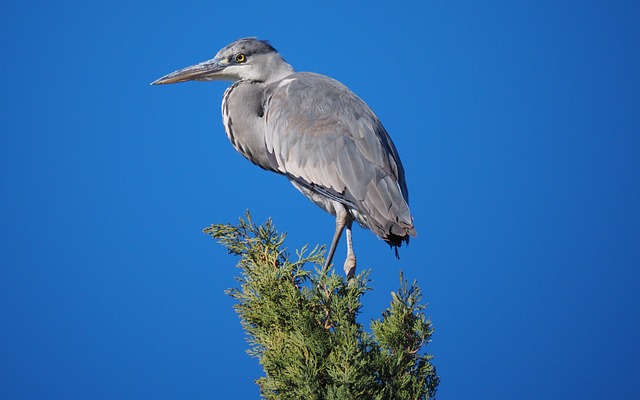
(317, 133)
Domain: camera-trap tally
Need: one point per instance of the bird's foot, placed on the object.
(350, 267)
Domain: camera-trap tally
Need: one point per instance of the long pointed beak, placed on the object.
(204, 71)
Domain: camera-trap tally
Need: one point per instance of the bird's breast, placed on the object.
(242, 116)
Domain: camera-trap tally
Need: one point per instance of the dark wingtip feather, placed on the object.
(395, 241)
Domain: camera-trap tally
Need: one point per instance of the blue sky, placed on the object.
(518, 125)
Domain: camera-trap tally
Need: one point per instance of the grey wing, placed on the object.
(327, 140)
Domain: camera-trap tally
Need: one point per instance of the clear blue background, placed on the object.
(518, 125)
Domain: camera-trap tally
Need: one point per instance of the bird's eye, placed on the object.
(241, 58)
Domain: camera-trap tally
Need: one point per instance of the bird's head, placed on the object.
(245, 59)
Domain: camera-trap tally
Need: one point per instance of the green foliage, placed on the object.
(302, 327)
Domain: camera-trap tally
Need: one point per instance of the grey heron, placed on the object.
(316, 132)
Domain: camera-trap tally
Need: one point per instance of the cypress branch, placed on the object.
(302, 326)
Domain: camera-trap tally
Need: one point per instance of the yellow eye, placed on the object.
(241, 58)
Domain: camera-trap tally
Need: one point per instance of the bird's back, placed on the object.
(326, 139)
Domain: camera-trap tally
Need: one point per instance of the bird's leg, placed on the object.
(342, 218)
(350, 262)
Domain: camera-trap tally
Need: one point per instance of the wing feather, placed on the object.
(325, 138)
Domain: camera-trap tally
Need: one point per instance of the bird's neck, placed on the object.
(274, 68)
(279, 72)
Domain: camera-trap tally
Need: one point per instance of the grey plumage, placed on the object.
(317, 133)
